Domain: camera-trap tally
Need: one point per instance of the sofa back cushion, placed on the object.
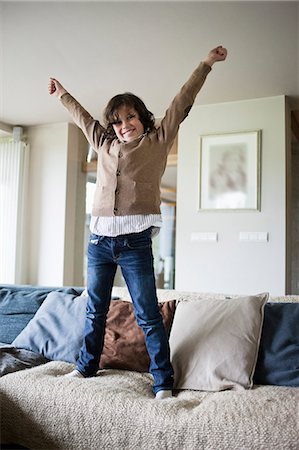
(18, 305)
(278, 359)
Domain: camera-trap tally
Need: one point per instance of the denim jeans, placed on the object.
(133, 253)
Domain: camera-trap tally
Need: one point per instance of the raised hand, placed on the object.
(55, 88)
(217, 54)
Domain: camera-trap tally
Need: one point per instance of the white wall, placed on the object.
(231, 266)
(47, 185)
(55, 183)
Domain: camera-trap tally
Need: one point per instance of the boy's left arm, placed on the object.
(183, 101)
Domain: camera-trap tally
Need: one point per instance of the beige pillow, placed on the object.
(214, 343)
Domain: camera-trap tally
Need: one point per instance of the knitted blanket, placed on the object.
(171, 294)
(116, 410)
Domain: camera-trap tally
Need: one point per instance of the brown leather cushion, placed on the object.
(124, 345)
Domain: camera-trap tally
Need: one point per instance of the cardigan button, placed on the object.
(117, 191)
(118, 173)
(115, 210)
(120, 154)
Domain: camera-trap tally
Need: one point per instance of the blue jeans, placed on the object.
(133, 253)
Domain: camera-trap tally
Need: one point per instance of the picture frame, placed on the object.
(230, 171)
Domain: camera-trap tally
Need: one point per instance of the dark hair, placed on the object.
(127, 99)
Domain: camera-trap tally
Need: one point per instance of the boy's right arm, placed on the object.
(91, 128)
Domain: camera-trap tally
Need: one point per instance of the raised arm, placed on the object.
(91, 128)
(183, 101)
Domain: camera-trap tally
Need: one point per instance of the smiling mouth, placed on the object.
(128, 131)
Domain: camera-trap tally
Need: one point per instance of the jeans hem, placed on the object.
(161, 388)
(85, 375)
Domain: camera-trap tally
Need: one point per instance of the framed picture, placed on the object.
(230, 171)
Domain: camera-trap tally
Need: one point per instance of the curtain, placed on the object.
(13, 168)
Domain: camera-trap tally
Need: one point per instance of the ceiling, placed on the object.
(98, 49)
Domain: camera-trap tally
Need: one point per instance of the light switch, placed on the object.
(204, 236)
(253, 236)
(263, 236)
(243, 236)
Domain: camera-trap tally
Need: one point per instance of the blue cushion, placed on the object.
(19, 303)
(56, 330)
(278, 359)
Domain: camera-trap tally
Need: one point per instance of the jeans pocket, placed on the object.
(94, 239)
(139, 240)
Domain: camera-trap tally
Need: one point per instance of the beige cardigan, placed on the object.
(129, 174)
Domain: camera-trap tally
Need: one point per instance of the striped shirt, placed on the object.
(117, 225)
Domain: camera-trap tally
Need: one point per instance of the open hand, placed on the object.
(217, 54)
(55, 88)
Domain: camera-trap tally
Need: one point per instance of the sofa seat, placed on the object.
(116, 410)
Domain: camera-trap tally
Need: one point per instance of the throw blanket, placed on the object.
(13, 359)
(117, 410)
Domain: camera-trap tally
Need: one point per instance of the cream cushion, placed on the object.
(214, 343)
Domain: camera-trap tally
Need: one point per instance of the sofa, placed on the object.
(236, 363)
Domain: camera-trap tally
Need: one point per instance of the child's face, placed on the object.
(127, 125)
